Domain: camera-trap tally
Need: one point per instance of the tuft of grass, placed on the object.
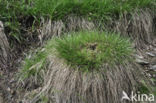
(85, 50)
(33, 65)
(9, 13)
(37, 61)
(89, 50)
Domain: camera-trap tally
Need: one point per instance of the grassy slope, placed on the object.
(13, 11)
(76, 50)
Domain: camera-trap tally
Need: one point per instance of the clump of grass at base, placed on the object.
(89, 50)
(35, 62)
(85, 50)
(33, 65)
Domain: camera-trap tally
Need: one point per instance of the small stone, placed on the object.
(153, 67)
(149, 75)
(12, 80)
(153, 61)
(142, 62)
(42, 50)
(150, 54)
(139, 56)
(8, 89)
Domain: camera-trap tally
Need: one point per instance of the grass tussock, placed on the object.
(85, 50)
(106, 56)
(89, 50)
(33, 66)
(64, 84)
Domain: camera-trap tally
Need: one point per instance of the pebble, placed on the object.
(12, 80)
(139, 56)
(142, 62)
(8, 89)
(149, 75)
(153, 67)
(150, 54)
(153, 61)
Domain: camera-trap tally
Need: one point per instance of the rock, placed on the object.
(12, 80)
(139, 56)
(8, 89)
(142, 62)
(153, 61)
(153, 67)
(150, 54)
(149, 75)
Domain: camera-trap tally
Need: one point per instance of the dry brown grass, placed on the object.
(138, 26)
(57, 28)
(63, 84)
(4, 48)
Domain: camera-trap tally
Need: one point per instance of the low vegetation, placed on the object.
(85, 50)
(89, 50)
(16, 12)
(84, 64)
(77, 65)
